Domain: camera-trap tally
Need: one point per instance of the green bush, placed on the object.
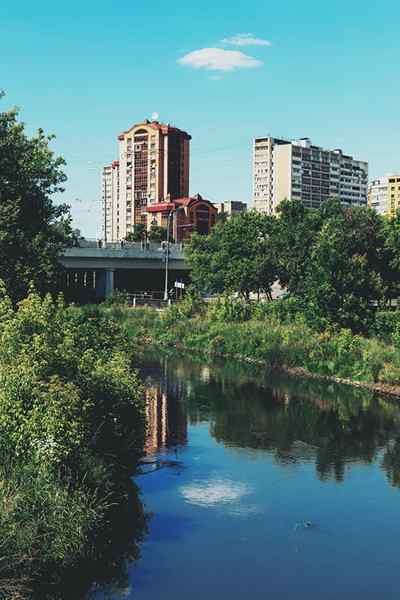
(71, 425)
(229, 309)
(386, 324)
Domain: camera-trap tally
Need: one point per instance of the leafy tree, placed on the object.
(33, 230)
(138, 233)
(342, 276)
(157, 233)
(237, 256)
(293, 238)
(391, 256)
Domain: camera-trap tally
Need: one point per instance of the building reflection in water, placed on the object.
(166, 416)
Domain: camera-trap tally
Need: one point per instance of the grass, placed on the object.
(278, 340)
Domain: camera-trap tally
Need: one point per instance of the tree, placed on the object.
(33, 230)
(343, 273)
(157, 234)
(391, 255)
(137, 234)
(237, 256)
(293, 239)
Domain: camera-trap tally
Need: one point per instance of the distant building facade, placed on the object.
(188, 215)
(384, 194)
(154, 162)
(230, 207)
(299, 170)
(393, 194)
(378, 195)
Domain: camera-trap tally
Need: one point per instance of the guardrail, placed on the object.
(154, 299)
(143, 245)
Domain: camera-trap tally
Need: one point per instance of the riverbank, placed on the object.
(72, 430)
(280, 342)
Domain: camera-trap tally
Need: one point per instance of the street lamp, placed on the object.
(170, 214)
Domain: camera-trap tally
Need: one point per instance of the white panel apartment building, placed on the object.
(378, 195)
(110, 200)
(298, 170)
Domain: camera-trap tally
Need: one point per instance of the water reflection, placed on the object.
(166, 412)
(214, 492)
(295, 421)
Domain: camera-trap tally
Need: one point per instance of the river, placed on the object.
(264, 487)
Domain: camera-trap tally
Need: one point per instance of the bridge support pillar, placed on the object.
(109, 283)
(104, 283)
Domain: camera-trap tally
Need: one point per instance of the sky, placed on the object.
(223, 71)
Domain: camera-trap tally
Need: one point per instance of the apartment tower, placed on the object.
(153, 165)
(298, 170)
(378, 195)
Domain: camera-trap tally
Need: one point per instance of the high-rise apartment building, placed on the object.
(298, 170)
(153, 165)
(378, 195)
(384, 194)
(110, 202)
(393, 194)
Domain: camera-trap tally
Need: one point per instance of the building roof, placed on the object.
(173, 204)
(164, 128)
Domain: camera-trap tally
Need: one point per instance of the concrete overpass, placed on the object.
(95, 272)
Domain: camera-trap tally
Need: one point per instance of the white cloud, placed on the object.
(245, 39)
(217, 59)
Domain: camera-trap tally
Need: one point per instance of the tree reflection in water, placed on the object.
(294, 420)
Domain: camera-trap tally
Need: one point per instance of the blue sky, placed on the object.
(88, 70)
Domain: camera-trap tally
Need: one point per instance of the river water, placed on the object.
(264, 487)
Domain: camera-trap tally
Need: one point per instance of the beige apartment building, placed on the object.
(299, 170)
(153, 165)
(393, 194)
(230, 208)
(384, 194)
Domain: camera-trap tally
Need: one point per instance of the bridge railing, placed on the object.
(143, 245)
(153, 298)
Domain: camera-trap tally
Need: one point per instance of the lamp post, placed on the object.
(170, 214)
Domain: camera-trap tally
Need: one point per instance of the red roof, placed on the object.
(153, 208)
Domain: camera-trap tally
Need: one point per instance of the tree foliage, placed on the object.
(338, 262)
(157, 234)
(237, 256)
(33, 230)
(137, 234)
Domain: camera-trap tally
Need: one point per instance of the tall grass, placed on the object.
(279, 334)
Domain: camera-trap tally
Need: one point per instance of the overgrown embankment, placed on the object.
(71, 432)
(278, 335)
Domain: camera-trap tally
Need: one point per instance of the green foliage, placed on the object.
(33, 231)
(191, 305)
(237, 256)
(386, 324)
(280, 335)
(157, 234)
(284, 310)
(71, 423)
(229, 309)
(137, 234)
(338, 263)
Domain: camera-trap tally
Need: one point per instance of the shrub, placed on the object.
(386, 324)
(229, 309)
(71, 424)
